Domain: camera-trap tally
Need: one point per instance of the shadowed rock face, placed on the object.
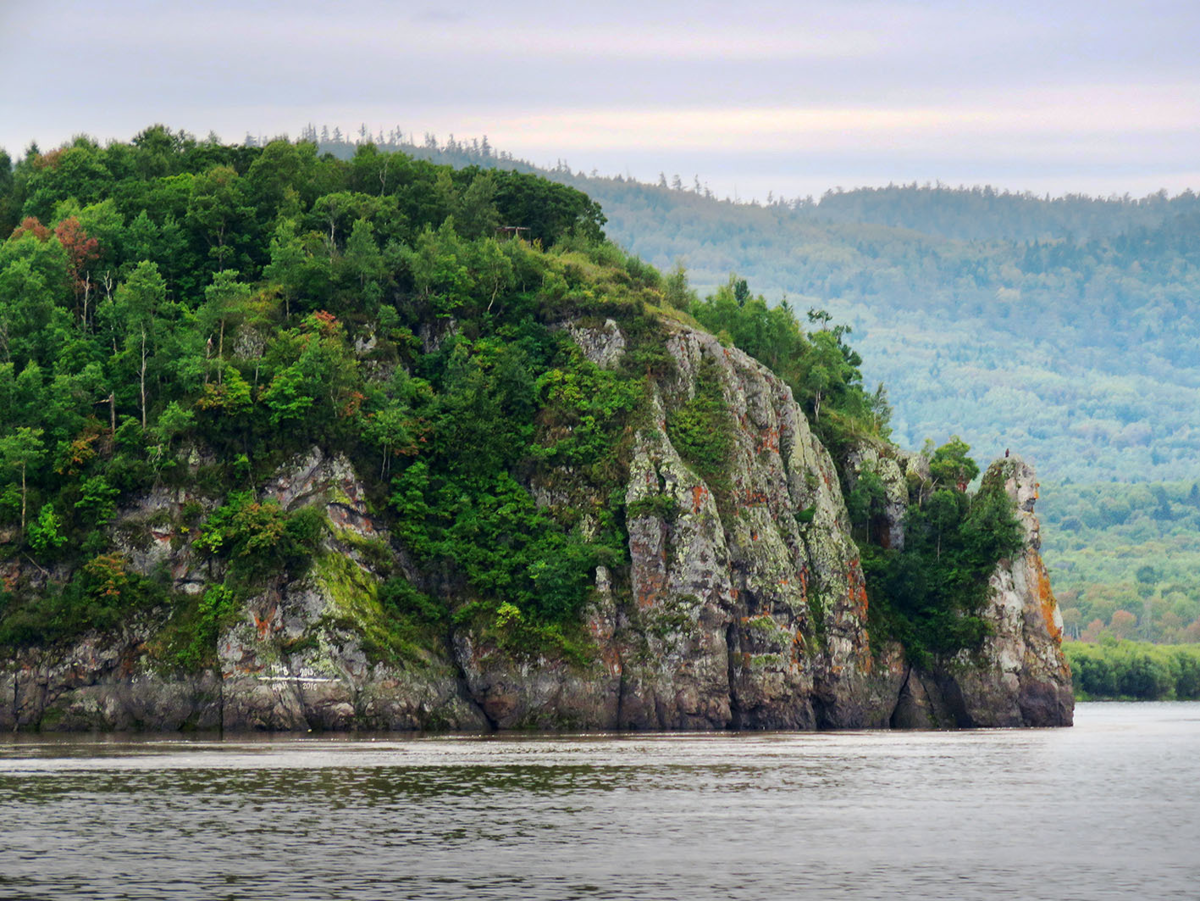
(744, 606)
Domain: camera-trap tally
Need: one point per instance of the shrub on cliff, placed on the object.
(930, 594)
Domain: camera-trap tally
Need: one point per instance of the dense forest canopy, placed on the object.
(1066, 327)
(1125, 559)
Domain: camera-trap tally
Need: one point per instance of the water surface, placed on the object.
(1108, 809)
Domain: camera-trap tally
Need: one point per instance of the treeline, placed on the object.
(986, 214)
(1130, 670)
(980, 213)
(1068, 328)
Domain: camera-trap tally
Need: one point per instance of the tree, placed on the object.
(33, 281)
(676, 292)
(8, 204)
(492, 268)
(225, 300)
(390, 428)
(289, 263)
(475, 214)
(46, 532)
(218, 210)
(363, 262)
(951, 464)
(82, 250)
(138, 304)
(438, 270)
(19, 452)
(1123, 624)
(867, 500)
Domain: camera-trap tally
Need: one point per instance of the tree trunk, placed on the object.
(22, 500)
(87, 290)
(143, 377)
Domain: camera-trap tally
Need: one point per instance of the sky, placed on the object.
(795, 98)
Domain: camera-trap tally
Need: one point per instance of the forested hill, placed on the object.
(1066, 327)
(190, 332)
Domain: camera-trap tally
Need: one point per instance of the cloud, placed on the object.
(1105, 87)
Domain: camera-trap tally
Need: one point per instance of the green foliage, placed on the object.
(1117, 548)
(701, 429)
(244, 304)
(45, 533)
(101, 593)
(676, 292)
(951, 465)
(930, 594)
(259, 538)
(1134, 670)
(190, 639)
(402, 601)
(1087, 304)
(97, 500)
(866, 501)
(500, 543)
(820, 367)
(581, 408)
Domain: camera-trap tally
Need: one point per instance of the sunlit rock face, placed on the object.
(743, 605)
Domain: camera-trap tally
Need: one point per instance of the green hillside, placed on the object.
(1124, 558)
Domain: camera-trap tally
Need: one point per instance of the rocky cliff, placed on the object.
(743, 605)
(1019, 677)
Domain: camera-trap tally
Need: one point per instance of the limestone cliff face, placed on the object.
(744, 606)
(1019, 677)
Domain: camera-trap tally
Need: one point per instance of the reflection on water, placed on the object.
(1108, 809)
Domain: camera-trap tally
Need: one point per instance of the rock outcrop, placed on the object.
(744, 606)
(1019, 677)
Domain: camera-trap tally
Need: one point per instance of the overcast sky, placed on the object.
(796, 97)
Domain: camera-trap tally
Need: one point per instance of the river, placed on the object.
(1107, 809)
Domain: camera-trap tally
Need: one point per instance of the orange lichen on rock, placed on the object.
(1046, 598)
(699, 493)
(751, 498)
(858, 587)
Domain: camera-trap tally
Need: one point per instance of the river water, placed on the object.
(1107, 809)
